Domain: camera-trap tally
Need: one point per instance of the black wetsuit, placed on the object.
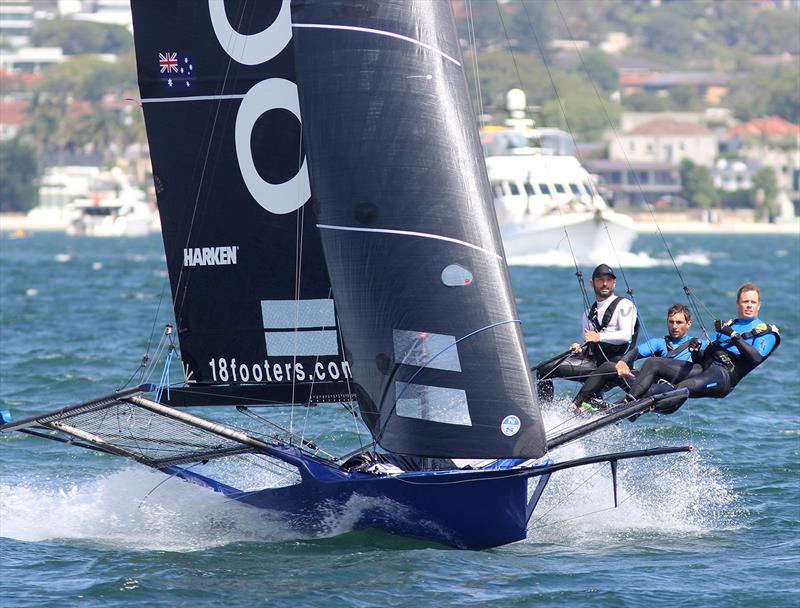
(720, 367)
(606, 374)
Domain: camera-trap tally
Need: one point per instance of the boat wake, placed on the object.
(682, 495)
(135, 509)
(563, 259)
(142, 510)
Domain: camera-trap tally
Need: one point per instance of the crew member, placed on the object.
(737, 347)
(675, 345)
(609, 329)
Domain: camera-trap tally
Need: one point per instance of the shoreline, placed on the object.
(721, 228)
(19, 222)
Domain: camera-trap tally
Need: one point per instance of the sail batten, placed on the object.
(367, 30)
(425, 235)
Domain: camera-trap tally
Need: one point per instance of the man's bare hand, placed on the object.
(591, 336)
(576, 348)
(623, 369)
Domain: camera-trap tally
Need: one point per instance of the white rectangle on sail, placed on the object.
(426, 349)
(432, 403)
(301, 343)
(288, 314)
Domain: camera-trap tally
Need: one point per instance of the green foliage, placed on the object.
(596, 66)
(79, 37)
(698, 187)
(767, 92)
(669, 33)
(18, 172)
(709, 35)
(86, 78)
(765, 193)
(524, 27)
(587, 117)
(737, 199)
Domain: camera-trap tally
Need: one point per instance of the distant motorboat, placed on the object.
(126, 215)
(541, 198)
(542, 194)
(88, 201)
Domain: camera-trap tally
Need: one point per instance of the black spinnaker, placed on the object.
(252, 298)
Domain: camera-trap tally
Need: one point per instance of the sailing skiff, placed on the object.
(330, 239)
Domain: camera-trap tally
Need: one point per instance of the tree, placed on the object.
(587, 116)
(596, 66)
(698, 187)
(86, 78)
(765, 193)
(18, 172)
(80, 37)
(669, 32)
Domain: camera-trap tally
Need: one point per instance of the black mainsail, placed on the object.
(409, 231)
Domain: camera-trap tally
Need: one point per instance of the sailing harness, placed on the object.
(737, 366)
(603, 351)
(673, 351)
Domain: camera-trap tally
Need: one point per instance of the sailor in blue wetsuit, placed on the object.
(737, 348)
(675, 345)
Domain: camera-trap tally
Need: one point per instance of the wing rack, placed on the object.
(128, 424)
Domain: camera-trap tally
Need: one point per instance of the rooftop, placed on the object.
(669, 126)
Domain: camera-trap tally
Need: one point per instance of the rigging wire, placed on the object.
(521, 85)
(593, 191)
(694, 302)
(146, 359)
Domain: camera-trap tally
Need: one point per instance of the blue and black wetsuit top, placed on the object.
(661, 347)
(754, 342)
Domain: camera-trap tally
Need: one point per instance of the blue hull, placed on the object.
(461, 508)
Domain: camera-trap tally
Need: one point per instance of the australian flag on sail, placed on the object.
(176, 70)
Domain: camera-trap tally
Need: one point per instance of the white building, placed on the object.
(16, 23)
(30, 59)
(665, 140)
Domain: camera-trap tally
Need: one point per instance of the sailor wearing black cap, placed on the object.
(609, 329)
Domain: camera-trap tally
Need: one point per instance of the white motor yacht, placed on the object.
(545, 200)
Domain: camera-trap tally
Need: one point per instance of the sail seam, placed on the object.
(425, 235)
(368, 30)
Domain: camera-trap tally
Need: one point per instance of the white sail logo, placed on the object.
(210, 256)
(269, 94)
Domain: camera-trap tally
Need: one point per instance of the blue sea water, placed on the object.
(717, 527)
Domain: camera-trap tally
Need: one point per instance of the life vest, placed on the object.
(672, 350)
(603, 351)
(737, 365)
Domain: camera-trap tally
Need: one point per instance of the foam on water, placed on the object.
(563, 259)
(134, 508)
(676, 495)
